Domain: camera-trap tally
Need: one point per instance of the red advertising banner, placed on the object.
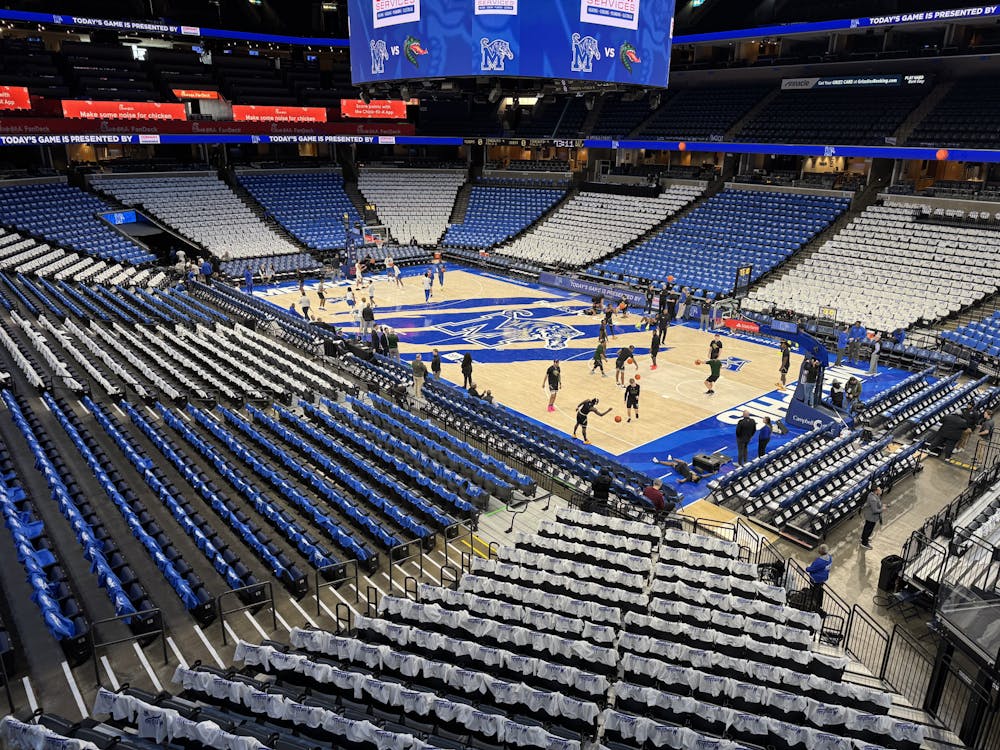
(14, 97)
(255, 113)
(123, 110)
(195, 94)
(58, 126)
(738, 324)
(376, 109)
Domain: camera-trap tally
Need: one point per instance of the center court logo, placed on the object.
(496, 53)
(585, 51)
(495, 330)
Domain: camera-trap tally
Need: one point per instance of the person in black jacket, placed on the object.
(948, 434)
(745, 430)
(466, 370)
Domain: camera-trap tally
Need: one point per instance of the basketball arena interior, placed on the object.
(499, 374)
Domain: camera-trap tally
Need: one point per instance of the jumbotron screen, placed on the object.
(615, 41)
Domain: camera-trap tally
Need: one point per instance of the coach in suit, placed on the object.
(745, 430)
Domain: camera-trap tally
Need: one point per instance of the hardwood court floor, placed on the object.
(513, 331)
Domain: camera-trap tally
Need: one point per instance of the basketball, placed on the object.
(697, 361)
(618, 418)
(670, 279)
(631, 361)
(638, 376)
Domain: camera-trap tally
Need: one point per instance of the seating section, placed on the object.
(980, 335)
(311, 205)
(414, 204)
(814, 481)
(591, 225)
(835, 116)
(619, 115)
(65, 216)
(549, 651)
(965, 116)
(699, 114)
(737, 227)
(923, 270)
(202, 208)
(495, 214)
(283, 265)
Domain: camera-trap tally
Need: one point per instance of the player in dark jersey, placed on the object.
(583, 409)
(553, 382)
(715, 347)
(632, 399)
(786, 350)
(681, 467)
(625, 355)
(654, 348)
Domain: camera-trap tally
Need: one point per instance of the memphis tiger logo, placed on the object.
(495, 330)
(629, 56)
(734, 364)
(585, 51)
(496, 53)
(380, 53)
(413, 49)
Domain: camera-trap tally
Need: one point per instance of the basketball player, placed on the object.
(681, 467)
(715, 347)
(397, 275)
(553, 381)
(625, 355)
(428, 283)
(654, 348)
(602, 333)
(609, 323)
(321, 293)
(349, 298)
(582, 410)
(632, 399)
(600, 356)
(786, 350)
(359, 277)
(715, 368)
(441, 274)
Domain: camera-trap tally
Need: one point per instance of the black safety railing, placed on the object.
(401, 554)
(454, 534)
(151, 631)
(262, 595)
(332, 576)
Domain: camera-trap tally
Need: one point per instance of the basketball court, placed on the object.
(515, 329)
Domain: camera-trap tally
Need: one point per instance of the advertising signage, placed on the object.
(14, 97)
(256, 113)
(97, 110)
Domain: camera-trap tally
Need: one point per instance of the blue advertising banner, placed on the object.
(621, 41)
(590, 288)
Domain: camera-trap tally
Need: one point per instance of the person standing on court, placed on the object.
(715, 347)
(625, 355)
(705, 309)
(553, 382)
(786, 363)
(321, 293)
(419, 373)
(856, 335)
(649, 298)
(764, 437)
(583, 409)
(662, 324)
(632, 399)
(872, 511)
(819, 573)
(843, 338)
(441, 274)
(428, 283)
(682, 303)
(248, 279)
(600, 356)
(436, 364)
(745, 430)
(367, 319)
(466, 370)
(304, 306)
(654, 348)
(876, 351)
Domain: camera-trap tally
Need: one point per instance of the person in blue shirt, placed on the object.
(764, 437)
(842, 338)
(856, 337)
(248, 280)
(819, 574)
(898, 336)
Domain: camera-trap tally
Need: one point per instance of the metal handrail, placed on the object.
(154, 613)
(334, 582)
(266, 586)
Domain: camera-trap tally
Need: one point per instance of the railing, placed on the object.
(264, 590)
(867, 641)
(907, 666)
(154, 617)
(332, 576)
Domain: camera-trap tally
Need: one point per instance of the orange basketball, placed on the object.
(697, 362)
(682, 146)
(618, 418)
(670, 279)
(631, 361)
(942, 154)
(638, 376)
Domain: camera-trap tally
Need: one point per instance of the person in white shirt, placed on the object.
(304, 306)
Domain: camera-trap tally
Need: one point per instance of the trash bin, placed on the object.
(892, 566)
